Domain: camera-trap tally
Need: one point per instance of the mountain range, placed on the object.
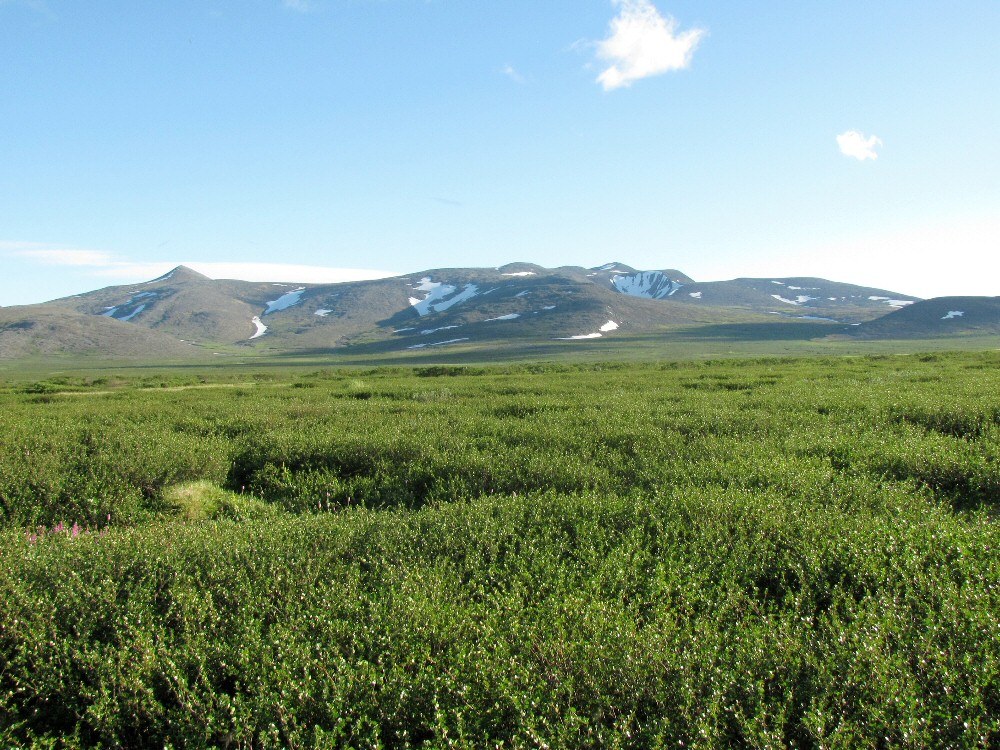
(184, 314)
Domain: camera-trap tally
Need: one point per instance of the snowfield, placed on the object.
(261, 328)
(110, 312)
(649, 284)
(440, 296)
(135, 312)
(606, 328)
(284, 301)
(799, 300)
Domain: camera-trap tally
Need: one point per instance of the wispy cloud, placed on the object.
(855, 144)
(512, 73)
(447, 201)
(289, 272)
(106, 265)
(57, 256)
(642, 43)
(299, 6)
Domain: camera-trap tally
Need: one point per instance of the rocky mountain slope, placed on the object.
(183, 313)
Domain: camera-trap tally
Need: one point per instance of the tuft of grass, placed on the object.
(202, 500)
(198, 500)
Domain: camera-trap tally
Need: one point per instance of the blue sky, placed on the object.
(331, 139)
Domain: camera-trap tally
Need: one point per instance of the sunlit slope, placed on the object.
(32, 331)
(519, 303)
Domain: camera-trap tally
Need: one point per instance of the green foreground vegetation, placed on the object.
(746, 553)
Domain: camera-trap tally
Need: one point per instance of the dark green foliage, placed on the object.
(750, 554)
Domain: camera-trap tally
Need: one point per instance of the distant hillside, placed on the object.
(184, 313)
(941, 316)
(32, 331)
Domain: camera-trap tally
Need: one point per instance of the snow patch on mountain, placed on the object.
(164, 277)
(952, 314)
(578, 338)
(437, 343)
(511, 316)
(606, 328)
(520, 273)
(261, 328)
(429, 331)
(649, 284)
(694, 295)
(799, 300)
(112, 310)
(132, 314)
(440, 296)
(285, 301)
(322, 313)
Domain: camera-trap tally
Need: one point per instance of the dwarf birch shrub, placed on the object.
(761, 553)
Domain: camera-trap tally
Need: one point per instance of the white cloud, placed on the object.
(855, 144)
(512, 74)
(285, 272)
(643, 43)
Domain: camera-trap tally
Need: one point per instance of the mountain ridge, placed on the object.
(184, 311)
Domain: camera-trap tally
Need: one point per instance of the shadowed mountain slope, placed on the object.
(940, 316)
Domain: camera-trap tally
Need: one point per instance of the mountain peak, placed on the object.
(614, 267)
(520, 269)
(180, 273)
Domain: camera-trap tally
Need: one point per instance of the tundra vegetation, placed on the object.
(759, 553)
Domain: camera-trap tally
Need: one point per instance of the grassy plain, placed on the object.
(736, 552)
